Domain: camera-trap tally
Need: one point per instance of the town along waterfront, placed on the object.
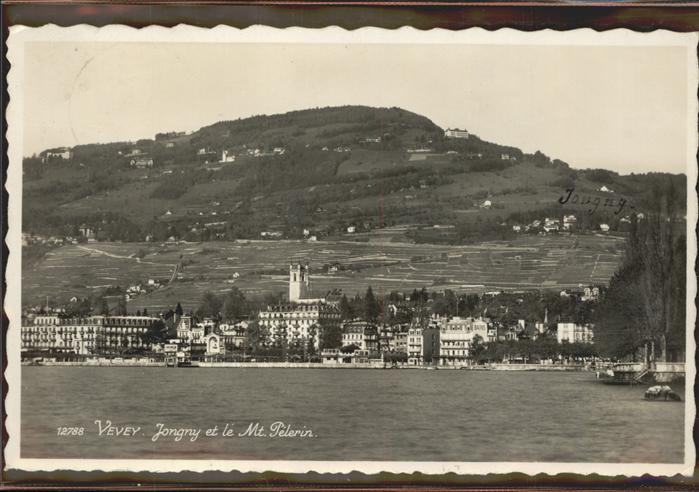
(396, 415)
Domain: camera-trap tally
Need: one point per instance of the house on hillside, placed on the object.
(551, 225)
(569, 222)
(207, 155)
(371, 140)
(141, 162)
(86, 231)
(590, 293)
(63, 153)
(227, 156)
(604, 227)
(456, 133)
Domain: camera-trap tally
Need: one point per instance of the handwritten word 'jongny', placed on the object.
(593, 202)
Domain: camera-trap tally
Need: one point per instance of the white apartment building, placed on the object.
(456, 335)
(299, 320)
(414, 346)
(302, 317)
(574, 333)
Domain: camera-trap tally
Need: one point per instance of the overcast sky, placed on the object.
(621, 108)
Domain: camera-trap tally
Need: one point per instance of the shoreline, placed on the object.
(314, 365)
(658, 376)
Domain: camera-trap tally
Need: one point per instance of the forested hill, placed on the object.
(320, 172)
(325, 126)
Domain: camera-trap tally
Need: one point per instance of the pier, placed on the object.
(641, 373)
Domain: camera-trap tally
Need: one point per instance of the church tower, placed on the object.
(298, 282)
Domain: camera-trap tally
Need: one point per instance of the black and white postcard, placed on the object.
(326, 250)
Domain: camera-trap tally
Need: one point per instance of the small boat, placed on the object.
(661, 393)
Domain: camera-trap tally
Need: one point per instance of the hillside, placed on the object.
(329, 172)
(259, 268)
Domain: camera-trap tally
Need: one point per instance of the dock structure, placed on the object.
(642, 373)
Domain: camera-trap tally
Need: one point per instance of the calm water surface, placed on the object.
(401, 415)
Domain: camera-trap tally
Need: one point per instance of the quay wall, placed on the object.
(668, 372)
(291, 365)
(658, 372)
(312, 365)
(539, 367)
(104, 363)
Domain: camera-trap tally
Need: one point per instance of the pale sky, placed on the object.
(619, 108)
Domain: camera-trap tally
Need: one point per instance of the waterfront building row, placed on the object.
(86, 336)
(449, 341)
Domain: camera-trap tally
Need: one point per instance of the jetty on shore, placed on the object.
(644, 373)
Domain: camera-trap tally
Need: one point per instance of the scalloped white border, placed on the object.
(368, 35)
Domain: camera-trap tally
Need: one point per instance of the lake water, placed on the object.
(397, 415)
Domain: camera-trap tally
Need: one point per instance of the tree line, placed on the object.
(643, 313)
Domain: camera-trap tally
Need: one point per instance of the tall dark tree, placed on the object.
(256, 337)
(676, 338)
(330, 337)
(644, 304)
(235, 305)
(372, 309)
(310, 348)
(658, 256)
(345, 308)
(121, 306)
(104, 307)
(477, 347)
(472, 303)
(156, 333)
(210, 305)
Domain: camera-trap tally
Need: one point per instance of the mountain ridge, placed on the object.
(321, 170)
